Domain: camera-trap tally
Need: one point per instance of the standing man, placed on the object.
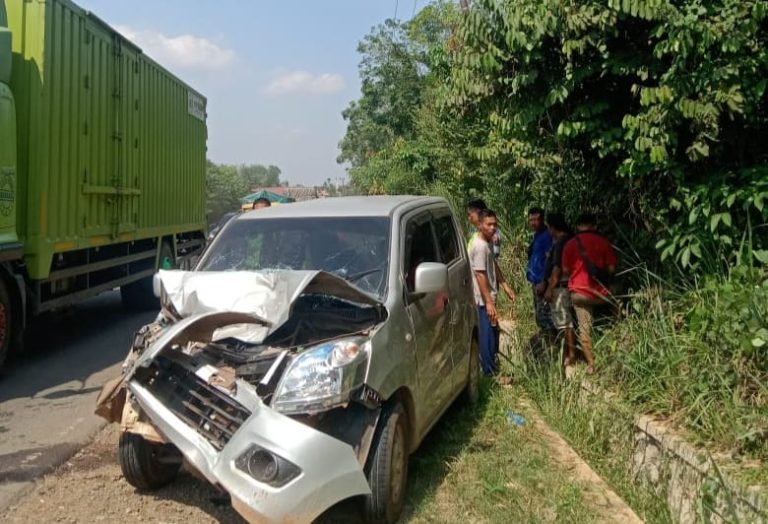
(556, 294)
(589, 261)
(486, 283)
(473, 215)
(540, 245)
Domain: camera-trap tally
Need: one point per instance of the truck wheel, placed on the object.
(146, 465)
(471, 394)
(6, 322)
(139, 295)
(387, 469)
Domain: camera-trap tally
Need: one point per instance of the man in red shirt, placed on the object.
(589, 261)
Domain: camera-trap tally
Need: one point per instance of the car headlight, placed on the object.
(322, 377)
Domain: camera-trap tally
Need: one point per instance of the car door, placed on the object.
(460, 306)
(429, 319)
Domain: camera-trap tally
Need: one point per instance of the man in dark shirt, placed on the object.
(556, 294)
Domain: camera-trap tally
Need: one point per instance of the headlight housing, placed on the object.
(322, 377)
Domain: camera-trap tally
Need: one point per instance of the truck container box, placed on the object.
(111, 146)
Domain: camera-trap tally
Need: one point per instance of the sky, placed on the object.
(277, 74)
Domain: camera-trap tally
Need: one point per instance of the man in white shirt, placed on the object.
(488, 277)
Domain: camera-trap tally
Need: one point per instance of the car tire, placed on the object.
(140, 295)
(142, 462)
(471, 393)
(387, 468)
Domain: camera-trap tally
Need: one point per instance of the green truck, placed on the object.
(102, 164)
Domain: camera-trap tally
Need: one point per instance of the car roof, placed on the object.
(357, 206)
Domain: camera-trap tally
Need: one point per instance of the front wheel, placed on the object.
(147, 465)
(387, 468)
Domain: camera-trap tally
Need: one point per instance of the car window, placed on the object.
(447, 242)
(419, 247)
(354, 248)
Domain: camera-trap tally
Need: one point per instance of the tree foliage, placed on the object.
(652, 112)
(227, 184)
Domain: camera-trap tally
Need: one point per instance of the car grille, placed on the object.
(215, 415)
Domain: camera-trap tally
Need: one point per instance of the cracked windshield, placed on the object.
(355, 248)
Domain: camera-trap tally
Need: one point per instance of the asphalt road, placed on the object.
(48, 394)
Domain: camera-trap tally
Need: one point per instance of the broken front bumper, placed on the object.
(323, 469)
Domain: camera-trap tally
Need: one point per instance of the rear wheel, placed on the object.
(388, 468)
(6, 322)
(147, 465)
(139, 295)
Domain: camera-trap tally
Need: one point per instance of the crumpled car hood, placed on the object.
(265, 294)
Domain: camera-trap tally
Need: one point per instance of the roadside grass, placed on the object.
(475, 466)
(601, 434)
(657, 360)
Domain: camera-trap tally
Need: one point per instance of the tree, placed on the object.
(227, 184)
(382, 126)
(652, 112)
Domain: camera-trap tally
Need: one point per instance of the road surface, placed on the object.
(47, 395)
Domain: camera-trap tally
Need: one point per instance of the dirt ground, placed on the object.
(90, 488)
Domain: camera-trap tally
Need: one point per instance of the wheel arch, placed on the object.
(404, 397)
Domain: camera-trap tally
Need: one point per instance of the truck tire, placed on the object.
(387, 468)
(143, 464)
(139, 295)
(6, 322)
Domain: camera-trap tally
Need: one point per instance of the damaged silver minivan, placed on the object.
(307, 355)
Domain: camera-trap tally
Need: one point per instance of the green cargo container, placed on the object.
(110, 156)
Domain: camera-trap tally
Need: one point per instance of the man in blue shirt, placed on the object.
(537, 262)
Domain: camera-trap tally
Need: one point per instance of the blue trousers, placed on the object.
(489, 343)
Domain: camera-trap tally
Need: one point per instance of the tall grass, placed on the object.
(695, 354)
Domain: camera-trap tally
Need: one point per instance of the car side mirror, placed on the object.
(157, 285)
(431, 277)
